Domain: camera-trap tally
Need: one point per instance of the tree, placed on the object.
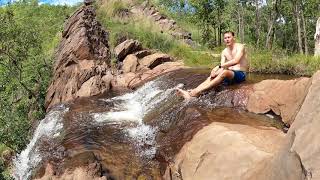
(274, 14)
(28, 35)
(317, 39)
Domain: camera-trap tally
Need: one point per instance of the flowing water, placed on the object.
(131, 134)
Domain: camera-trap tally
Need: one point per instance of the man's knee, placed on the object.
(223, 74)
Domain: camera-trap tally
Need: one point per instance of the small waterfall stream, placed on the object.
(129, 135)
(129, 109)
(30, 158)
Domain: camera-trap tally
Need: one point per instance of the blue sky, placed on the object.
(55, 2)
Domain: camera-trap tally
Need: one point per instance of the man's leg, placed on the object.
(210, 83)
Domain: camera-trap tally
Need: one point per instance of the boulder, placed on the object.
(143, 53)
(225, 151)
(166, 24)
(154, 60)
(157, 16)
(92, 171)
(132, 80)
(299, 155)
(282, 97)
(130, 63)
(127, 47)
(304, 131)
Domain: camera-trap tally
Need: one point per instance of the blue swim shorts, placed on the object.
(239, 76)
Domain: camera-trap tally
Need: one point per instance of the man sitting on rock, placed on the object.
(232, 69)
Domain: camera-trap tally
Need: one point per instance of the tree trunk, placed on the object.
(306, 49)
(257, 23)
(241, 24)
(219, 27)
(273, 17)
(297, 15)
(317, 38)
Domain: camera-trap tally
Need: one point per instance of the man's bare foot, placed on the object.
(184, 94)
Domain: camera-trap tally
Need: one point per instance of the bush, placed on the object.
(28, 36)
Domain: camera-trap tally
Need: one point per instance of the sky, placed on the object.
(55, 2)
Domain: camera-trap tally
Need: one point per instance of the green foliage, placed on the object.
(115, 7)
(150, 36)
(265, 61)
(28, 35)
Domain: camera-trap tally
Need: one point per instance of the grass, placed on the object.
(270, 62)
(113, 7)
(148, 33)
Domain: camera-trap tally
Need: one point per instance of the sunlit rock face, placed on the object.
(284, 98)
(82, 59)
(225, 151)
(304, 132)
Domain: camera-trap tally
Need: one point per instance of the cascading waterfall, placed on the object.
(130, 107)
(29, 158)
(133, 107)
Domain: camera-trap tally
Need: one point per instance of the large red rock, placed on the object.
(304, 132)
(82, 59)
(225, 151)
(130, 63)
(282, 97)
(154, 60)
(127, 47)
(132, 80)
(92, 172)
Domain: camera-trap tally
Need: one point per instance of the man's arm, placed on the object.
(215, 69)
(223, 57)
(236, 59)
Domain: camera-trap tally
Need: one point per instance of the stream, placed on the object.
(132, 134)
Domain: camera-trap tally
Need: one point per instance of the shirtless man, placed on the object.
(232, 69)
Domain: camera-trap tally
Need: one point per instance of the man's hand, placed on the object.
(214, 72)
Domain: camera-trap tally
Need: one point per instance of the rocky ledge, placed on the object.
(235, 151)
(83, 61)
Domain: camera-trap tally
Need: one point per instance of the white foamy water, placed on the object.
(144, 136)
(133, 107)
(29, 158)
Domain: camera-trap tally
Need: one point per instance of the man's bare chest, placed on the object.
(229, 55)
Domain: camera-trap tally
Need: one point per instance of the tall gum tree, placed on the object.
(317, 39)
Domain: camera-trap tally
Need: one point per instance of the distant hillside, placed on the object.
(153, 28)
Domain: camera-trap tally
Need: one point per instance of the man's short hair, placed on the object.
(231, 32)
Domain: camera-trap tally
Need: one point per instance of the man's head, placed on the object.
(228, 38)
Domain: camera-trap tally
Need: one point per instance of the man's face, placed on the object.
(228, 39)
